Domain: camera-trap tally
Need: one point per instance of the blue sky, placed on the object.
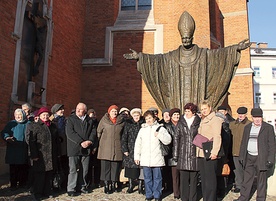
(262, 21)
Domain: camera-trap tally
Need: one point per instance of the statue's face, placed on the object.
(187, 41)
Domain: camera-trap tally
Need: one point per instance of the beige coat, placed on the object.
(210, 127)
(109, 136)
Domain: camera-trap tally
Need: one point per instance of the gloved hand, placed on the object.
(269, 164)
(241, 162)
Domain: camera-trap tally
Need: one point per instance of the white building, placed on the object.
(263, 61)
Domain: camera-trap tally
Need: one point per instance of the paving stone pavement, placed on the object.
(96, 195)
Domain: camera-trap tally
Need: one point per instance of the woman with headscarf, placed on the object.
(109, 133)
(185, 152)
(44, 151)
(131, 129)
(17, 149)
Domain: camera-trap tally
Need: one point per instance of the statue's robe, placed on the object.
(180, 76)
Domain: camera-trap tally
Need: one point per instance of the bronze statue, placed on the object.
(189, 73)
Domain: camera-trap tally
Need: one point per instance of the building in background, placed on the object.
(263, 61)
(59, 51)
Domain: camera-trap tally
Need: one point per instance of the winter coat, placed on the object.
(147, 146)
(184, 151)
(17, 150)
(210, 127)
(44, 145)
(129, 136)
(78, 131)
(109, 136)
(171, 130)
(266, 146)
(60, 123)
(237, 128)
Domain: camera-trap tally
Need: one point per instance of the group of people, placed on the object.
(45, 142)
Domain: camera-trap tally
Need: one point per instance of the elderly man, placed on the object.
(237, 128)
(257, 155)
(81, 135)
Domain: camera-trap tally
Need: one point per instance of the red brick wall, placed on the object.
(7, 53)
(65, 70)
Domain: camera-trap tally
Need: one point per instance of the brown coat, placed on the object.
(210, 127)
(109, 135)
(237, 128)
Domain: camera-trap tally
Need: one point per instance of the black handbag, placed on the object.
(207, 148)
(58, 176)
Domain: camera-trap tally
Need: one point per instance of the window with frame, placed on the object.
(136, 5)
(273, 72)
(257, 71)
(258, 97)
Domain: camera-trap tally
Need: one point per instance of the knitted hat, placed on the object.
(112, 107)
(123, 109)
(242, 110)
(135, 110)
(257, 112)
(222, 107)
(43, 109)
(56, 108)
(174, 110)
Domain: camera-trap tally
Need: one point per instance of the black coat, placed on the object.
(44, 145)
(184, 150)
(266, 145)
(78, 131)
(130, 133)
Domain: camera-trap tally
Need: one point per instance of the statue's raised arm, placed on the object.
(133, 55)
(244, 44)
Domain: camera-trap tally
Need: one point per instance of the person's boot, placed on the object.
(106, 187)
(131, 186)
(141, 187)
(113, 187)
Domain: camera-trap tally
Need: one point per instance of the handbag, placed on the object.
(199, 139)
(58, 176)
(207, 148)
(225, 170)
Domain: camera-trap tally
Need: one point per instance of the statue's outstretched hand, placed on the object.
(244, 44)
(133, 55)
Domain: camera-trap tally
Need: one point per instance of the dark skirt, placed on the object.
(132, 173)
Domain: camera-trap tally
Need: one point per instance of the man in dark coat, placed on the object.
(257, 155)
(81, 135)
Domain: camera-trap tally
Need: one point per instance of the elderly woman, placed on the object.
(44, 149)
(185, 152)
(17, 150)
(147, 153)
(109, 132)
(210, 127)
(131, 129)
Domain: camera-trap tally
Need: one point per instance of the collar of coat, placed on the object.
(144, 125)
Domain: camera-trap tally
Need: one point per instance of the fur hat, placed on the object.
(43, 109)
(56, 107)
(174, 110)
(112, 107)
(257, 112)
(242, 110)
(123, 109)
(135, 110)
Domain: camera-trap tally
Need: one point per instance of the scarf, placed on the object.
(113, 120)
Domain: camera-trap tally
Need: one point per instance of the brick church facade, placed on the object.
(58, 51)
